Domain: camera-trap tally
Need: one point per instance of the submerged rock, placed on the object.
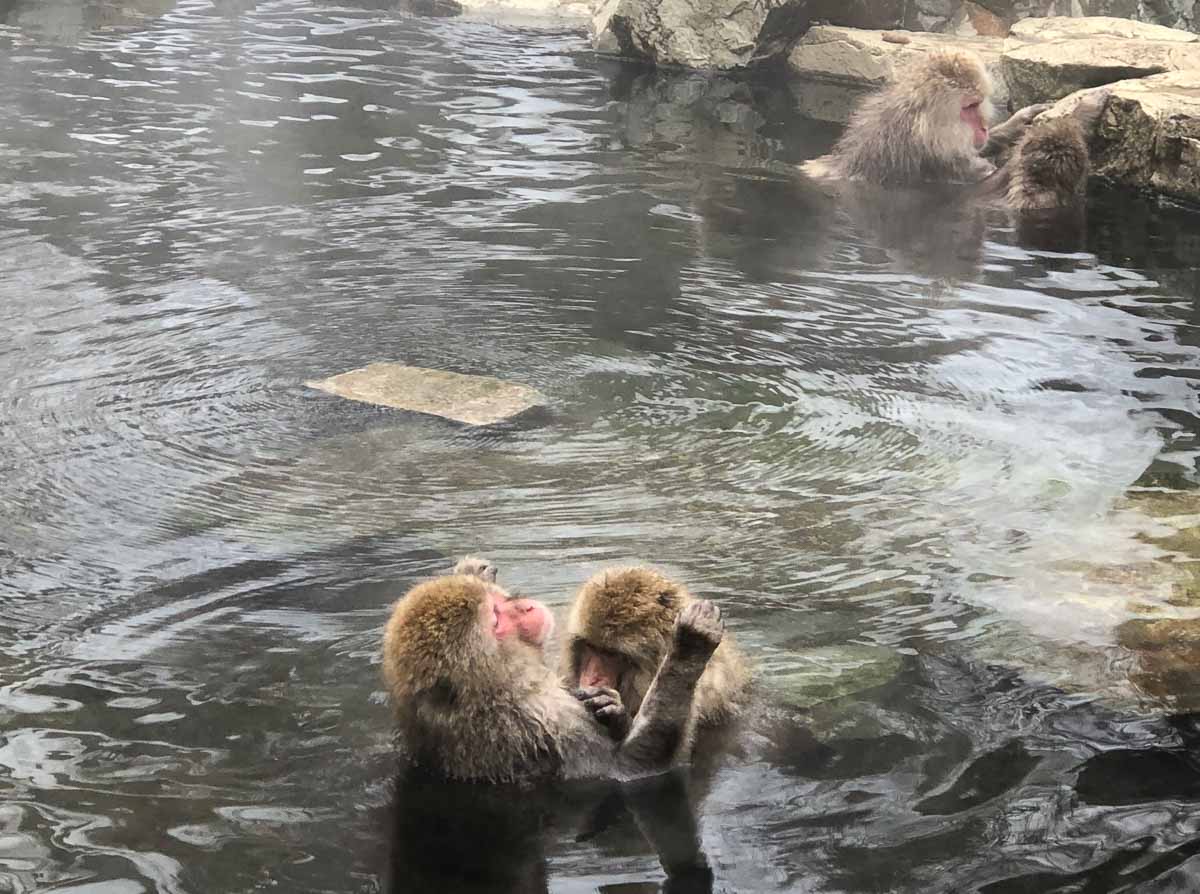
(474, 400)
(813, 676)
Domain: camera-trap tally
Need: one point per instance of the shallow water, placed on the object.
(897, 447)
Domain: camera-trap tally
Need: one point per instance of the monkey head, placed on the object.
(1050, 166)
(460, 632)
(954, 91)
(619, 630)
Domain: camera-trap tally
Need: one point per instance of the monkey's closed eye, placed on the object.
(664, 598)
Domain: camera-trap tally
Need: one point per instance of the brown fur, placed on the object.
(1049, 167)
(909, 132)
(473, 707)
(630, 612)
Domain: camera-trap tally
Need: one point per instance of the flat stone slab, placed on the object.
(474, 400)
(1038, 72)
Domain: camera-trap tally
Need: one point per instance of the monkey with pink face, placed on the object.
(932, 126)
(474, 699)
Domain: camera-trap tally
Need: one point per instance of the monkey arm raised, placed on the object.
(662, 724)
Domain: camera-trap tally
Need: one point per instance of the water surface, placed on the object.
(905, 447)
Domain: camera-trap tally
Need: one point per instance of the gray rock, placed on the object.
(716, 34)
(1051, 28)
(475, 400)
(1038, 72)
(1149, 134)
(866, 60)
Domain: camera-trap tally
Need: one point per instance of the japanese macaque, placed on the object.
(474, 699)
(931, 125)
(1048, 167)
(476, 566)
(619, 632)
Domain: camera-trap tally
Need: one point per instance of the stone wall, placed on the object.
(730, 34)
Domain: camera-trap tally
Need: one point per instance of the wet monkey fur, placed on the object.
(930, 126)
(474, 699)
(619, 631)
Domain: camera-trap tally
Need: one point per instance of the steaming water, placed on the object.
(897, 449)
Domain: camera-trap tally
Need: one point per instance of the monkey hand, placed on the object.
(608, 709)
(1090, 108)
(475, 566)
(698, 630)
(1025, 116)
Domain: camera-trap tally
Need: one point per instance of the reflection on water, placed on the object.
(895, 438)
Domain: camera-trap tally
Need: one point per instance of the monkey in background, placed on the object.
(619, 632)
(475, 566)
(929, 126)
(474, 699)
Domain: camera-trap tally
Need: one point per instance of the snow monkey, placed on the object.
(476, 566)
(930, 125)
(620, 630)
(474, 699)
(1048, 167)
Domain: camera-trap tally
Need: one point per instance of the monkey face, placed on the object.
(619, 630)
(972, 115)
(514, 617)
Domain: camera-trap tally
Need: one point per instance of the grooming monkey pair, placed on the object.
(931, 126)
(644, 667)
(463, 660)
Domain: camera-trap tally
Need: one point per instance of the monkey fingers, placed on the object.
(606, 706)
(476, 566)
(699, 630)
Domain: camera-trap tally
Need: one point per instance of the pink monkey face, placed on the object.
(971, 114)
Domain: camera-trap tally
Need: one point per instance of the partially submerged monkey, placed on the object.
(619, 632)
(1048, 168)
(931, 126)
(474, 699)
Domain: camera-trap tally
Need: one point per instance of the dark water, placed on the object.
(895, 442)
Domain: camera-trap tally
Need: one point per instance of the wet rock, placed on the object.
(474, 400)
(854, 61)
(1149, 134)
(717, 34)
(1052, 69)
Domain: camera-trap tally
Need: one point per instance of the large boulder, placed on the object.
(1055, 58)
(1149, 134)
(837, 65)
(715, 34)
